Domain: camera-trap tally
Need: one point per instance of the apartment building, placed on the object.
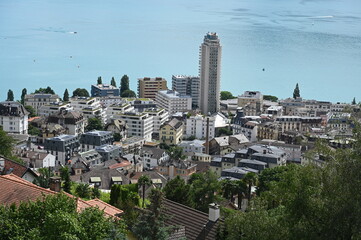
(54, 108)
(197, 126)
(89, 106)
(39, 99)
(63, 147)
(73, 122)
(171, 132)
(251, 102)
(139, 124)
(104, 90)
(148, 87)
(92, 139)
(173, 101)
(13, 117)
(187, 85)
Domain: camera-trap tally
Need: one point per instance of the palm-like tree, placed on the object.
(143, 181)
(83, 190)
(250, 179)
(241, 191)
(229, 189)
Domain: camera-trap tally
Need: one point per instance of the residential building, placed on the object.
(73, 122)
(8, 166)
(248, 128)
(104, 90)
(117, 126)
(201, 157)
(226, 144)
(63, 147)
(268, 130)
(39, 99)
(132, 145)
(140, 104)
(89, 106)
(210, 73)
(251, 163)
(237, 172)
(299, 124)
(53, 108)
(148, 87)
(160, 116)
(90, 158)
(139, 124)
(251, 102)
(117, 109)
(171, 132)
(92, 139)
(13, 117)
(38, 159)
(173, 168)
(110, 100)
(216, 166)
(195, 146)
(187, 86)
(151, 157)
(173, 101)
(108, 152)
(197, 126)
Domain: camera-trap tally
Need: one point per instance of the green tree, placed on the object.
(100, 81)
(203, 189)
(128, 94)
(226, 95)
(177, 190)
(31, 110)
(82, 190)
(113, 82)
(66, 96)
(47, 90)
(175, 153)
(224, 131)
(296, 92)
(117, 137)
(56, 217)
(151, 223)
(80, 92)
(65, 176)
(270, 98)
(251, 180)
(6, 144)
(124, 84)
(94, 124)
(10, 95)
(229, 189)
(23, 93)
(354, 101)
(43, 180)
(34, 131)
(144, 181)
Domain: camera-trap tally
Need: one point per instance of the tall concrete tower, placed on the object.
(210, 73)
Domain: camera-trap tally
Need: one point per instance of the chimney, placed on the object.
(213, 212)
(55, 184)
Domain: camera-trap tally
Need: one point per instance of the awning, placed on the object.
(117, 179)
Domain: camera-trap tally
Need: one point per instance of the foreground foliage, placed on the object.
(56, 217)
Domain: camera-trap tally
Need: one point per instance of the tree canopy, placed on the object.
(296, 92)
(31, 110)
(177, 190)
(128, 94)
(99, 81)
(47, 90)
(10, 96)
(94, 124)
(66, 96)
(113, 82)
(80, 92)
(124, 84)
(227, 95)
(270, 98)
(23, 93)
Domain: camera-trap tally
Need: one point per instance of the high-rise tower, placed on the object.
(210, 73)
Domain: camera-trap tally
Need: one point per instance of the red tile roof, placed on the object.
(118, 165)
(14, 189)
(18, 169)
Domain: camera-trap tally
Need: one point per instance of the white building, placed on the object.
(53, 108)
(110, 100)
(117, 109)
(173, 102)
(187, 85)
(195, 146)
(151, 157)
(248, 129)
(160, 116)
(89, 106)
(73, 121)
(13, 117)
(197, 126)
(39, 99)
(63, 147)
(210, 73)
(251, 102)
(139, 124)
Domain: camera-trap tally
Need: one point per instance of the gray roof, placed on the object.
(105, 175)
(10, 108)
(106, 148)
(97, 133)
(270, 149)
(154, 152)
(252, 161)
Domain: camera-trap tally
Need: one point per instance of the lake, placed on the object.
(316, 43)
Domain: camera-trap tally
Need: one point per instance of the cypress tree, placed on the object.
(100, 81)
(10, 95)
(296, 92)
(113, 83)
(124, 84)
(66, 96)
(23, 93)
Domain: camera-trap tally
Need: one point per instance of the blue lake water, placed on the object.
(316, 43)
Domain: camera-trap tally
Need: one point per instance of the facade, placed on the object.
(151, 157)
(91, 157)
(268, 130)
(63, 147)
(140, 104)
(108, 152)
(73, 122)
(13, 117)
(171, 132)
(248, 128)
(195, 146)
(139, 124)
(251, 102)
(160, 116)
(187, 85)
(298, 124)
(117, 126)
(148, 87)
(90, 107)
(92, 139)
(173, 168)
(173, 101)
(115, 109)
(104, 90)
(197, 126)
(210, 73)
(53, 108)
(40, 99)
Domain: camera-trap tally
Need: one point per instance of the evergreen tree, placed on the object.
(66, 96)
(128, 94)
(296, 92)
(47, 90)
(124, 84)
(94, 124)
(10, 95)
(144, 181)
(31, 110)
(151, 223)
(113, 83)
(177, 190)
(65, 176)
(80, 92)
(23, 93)
(354, 101)
(100, 81)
